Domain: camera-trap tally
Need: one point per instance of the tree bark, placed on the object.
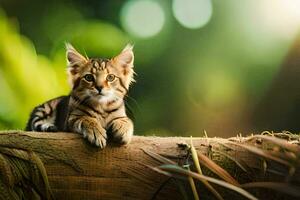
(77, 170)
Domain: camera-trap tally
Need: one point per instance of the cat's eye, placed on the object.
(110, 77)
(89, 77)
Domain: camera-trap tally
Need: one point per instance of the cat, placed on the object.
(95, 104)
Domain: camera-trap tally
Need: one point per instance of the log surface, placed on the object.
(77, 170)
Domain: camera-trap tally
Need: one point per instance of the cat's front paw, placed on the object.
(95, 135)
(122, 130)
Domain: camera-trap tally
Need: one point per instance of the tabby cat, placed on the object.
(96, 102)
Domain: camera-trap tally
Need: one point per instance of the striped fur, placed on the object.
(96, 102)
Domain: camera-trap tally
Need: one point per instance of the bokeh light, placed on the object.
(142, 18)
(192, 13)
(281, 16)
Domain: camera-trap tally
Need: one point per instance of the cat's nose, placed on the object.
(99, 89)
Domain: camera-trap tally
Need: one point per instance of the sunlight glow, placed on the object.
(142, 18)
(282, 16)
(192, 13)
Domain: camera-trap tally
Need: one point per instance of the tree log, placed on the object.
(77, 170)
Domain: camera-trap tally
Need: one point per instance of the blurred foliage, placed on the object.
(28, 79)
(21, 82)
(188, 80)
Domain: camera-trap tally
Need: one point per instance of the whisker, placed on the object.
(132, 99)
(129, 109)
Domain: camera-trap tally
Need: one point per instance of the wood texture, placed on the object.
(77, 170)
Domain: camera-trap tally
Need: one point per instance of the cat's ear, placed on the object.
(124, 63)
(73, 56)
(76, 62)
(126, 57)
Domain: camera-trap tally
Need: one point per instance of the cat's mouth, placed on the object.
(101, 95)
(105, 93)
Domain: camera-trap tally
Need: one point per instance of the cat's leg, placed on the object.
(43, 117)
(122, 130)
(90, 128)
(48, 127)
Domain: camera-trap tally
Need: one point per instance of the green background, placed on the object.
(224, 78)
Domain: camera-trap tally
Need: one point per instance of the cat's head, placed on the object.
(100, 80)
